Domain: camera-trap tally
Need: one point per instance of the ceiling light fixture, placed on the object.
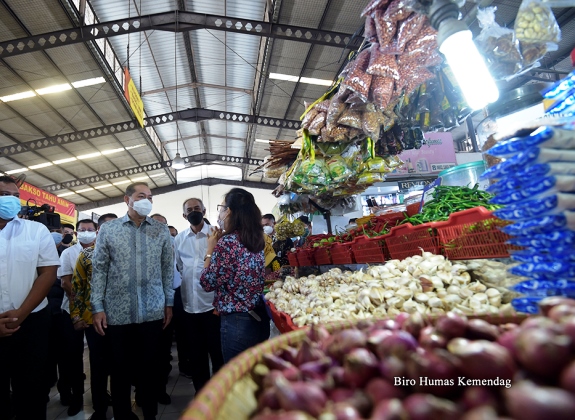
(84, 190)
(178, 162)
(262, 141)
(99, 187)
(40, 165)
(61, 161)
(54, 89)
(89, 155)
(66, 194)
(16, 171)
(307, 80)
(111, 151)
(17, 96)
(88, 82)
(122, 182)
(456, 44)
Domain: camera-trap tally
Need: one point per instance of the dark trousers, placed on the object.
(70, 347)
(133, 352)
(240, 331)
(99, 369)
(204, 330)
(24, 358)
(174, 327)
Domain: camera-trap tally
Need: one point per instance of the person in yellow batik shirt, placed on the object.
(81, 313)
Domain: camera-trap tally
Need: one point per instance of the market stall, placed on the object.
(423, 310)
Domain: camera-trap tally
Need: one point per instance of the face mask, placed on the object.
(67, 238)
(195, 218)
(142, 207)
(9, 207)
(86, 237)
(268, 230)
(57, 237)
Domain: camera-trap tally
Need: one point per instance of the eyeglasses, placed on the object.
(222, 208)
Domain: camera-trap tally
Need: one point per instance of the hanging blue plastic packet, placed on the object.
(545, 240)
(531, 156)
(537, 207)
(528, 305)
(526, 176)
(542, 224)
(544, 288)
(548, 137)
(544, 255)
(552, 270)
(549, 185)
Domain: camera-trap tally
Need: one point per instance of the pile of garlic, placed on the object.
(429, 284)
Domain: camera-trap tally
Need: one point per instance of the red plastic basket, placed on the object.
(292, 258)
(282, 320)
(370, 250)
(406, 240)
(341, 253)
(322, 255)
(472, 234)
(305, 257)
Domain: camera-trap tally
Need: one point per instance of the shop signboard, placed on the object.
(133, 97)
(36, 196)
(433, 157)
(407, 185)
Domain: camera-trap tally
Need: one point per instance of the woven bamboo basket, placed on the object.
(230, 394)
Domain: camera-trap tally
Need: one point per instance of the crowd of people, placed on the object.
(128, 285)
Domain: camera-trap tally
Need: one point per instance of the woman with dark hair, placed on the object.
(234, 267)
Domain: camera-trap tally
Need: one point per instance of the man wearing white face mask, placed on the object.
(70, 342)
(132, 298)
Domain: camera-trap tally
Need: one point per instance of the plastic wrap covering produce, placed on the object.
(427, 284)
(410, 368)
(537, 185)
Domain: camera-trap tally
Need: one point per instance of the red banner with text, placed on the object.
(37, 196)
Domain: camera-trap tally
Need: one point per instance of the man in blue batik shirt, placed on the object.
(132, 298)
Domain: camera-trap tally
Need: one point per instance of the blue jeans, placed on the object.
(240, 331)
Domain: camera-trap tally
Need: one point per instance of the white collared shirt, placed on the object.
(67, 265)
(24, 246)
(190, 252)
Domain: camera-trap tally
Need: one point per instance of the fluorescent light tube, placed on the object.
(66, 194)
(54, 89)
(16, 96)
(313, 81)
(84, 190)
(89, 155)
(88, 82)
(286, 77)
(61, 161)
(40, 165)
(16, 171)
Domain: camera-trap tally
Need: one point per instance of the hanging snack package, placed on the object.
(371, 121)
(317, 124)
(314, 173)
(384, 28)
(525, 177)
(527, 209)
(353, 156)
(338, 170)
(548, 137)
(421, 46)
(336, 107)
(409, 29)
(358, 80)
(543, 224)
(309, 117)
(350, 118)
(382, 91)
(398, 10)
(381, 64)
(323, 105)
(546, 240)
(547, 185)
(535, 23)
(341, 133)
(372, 6)
(370, 33)
(498, 45)
(370, 178)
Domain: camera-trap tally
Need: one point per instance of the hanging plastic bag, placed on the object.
(565, 220)
(498, 45)
(382, 91)
(350, 118)
(545, 240)
(535, 23)
(548, 137)
(338, 170)
(358, 80)
(317, 124)
(371, 121)
(551, 204)
(381, 64)
(409, 29)
(336, 108)
(537, 188)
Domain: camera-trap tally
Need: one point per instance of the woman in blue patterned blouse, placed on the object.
(234, 267)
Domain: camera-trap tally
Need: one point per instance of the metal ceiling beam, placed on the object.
(196, 85)
(195, 136)
(186, 21)
(203, 158)
(176, 187)
(190, 115)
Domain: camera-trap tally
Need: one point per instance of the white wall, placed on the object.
(468, 157)
(170, 204)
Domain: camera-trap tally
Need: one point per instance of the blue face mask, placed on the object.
(9, 207)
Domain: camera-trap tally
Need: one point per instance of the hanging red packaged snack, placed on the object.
(423, 45)
(381, 64)
(382, 91)
(372, 6)
(358, 80)
(397, 11)
(317, 124)
(370, 33)
(385, 29)
(409, 29)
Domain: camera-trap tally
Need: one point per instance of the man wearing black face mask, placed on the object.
(199, 318)
(67, 237)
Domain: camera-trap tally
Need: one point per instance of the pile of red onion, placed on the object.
(405, 369)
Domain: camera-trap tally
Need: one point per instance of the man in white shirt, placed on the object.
(202, 325)
(28, 264)
(70, 342)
